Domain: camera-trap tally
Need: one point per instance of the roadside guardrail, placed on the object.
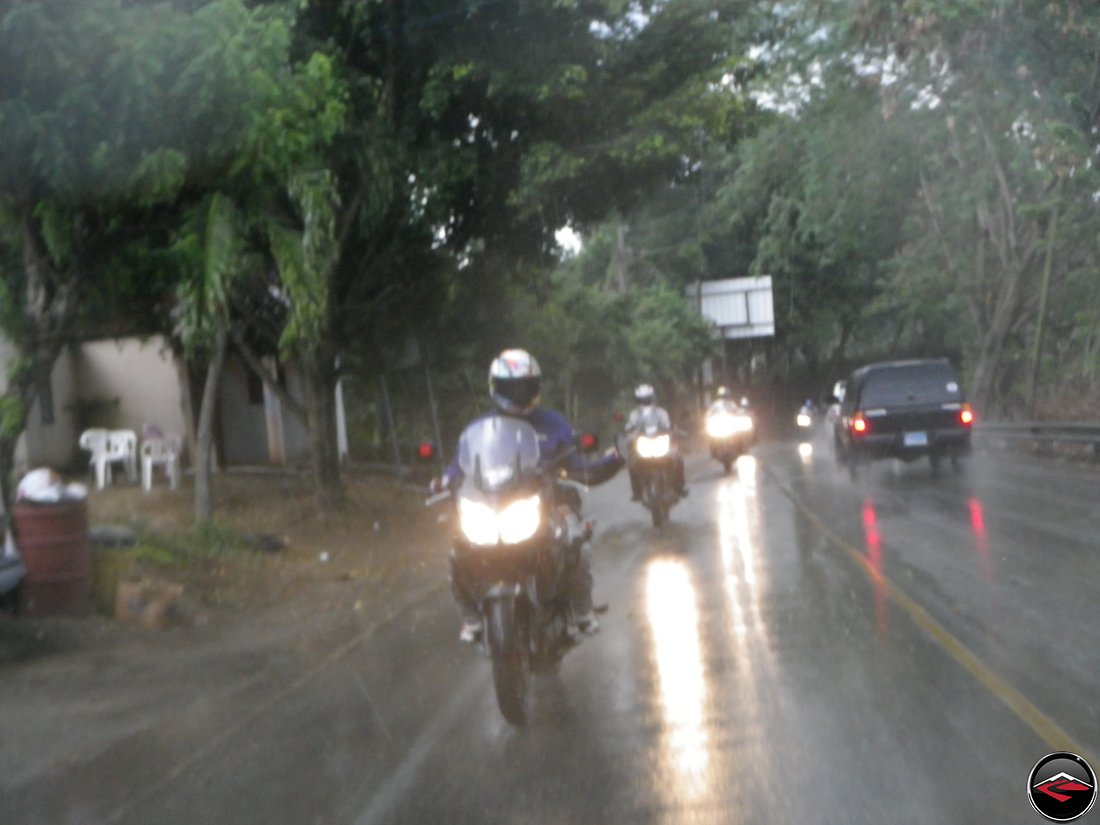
(1045, 432)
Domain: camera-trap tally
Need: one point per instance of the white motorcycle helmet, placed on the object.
(515, 381)
(644, 395)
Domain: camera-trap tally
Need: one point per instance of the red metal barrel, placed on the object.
(53, 541)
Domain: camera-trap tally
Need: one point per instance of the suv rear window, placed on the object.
(910, 384)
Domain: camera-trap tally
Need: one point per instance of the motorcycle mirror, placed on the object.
(589, 442)
(425, 451)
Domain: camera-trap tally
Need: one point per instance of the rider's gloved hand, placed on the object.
(438, 484)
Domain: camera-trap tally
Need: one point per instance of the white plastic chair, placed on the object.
(122, 449)
(95, 442)
(163, 451)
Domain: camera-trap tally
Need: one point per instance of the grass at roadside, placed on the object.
(268, 538)
(178, 548)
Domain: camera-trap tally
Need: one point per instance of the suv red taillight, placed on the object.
(859, 424)
(966, 415)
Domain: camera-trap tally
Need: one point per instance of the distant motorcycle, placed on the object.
(654, 456)
(806, 419)
(514, 547)
(729, 434)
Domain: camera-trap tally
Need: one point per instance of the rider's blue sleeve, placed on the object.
(558, 437)
(452, 471)
(555, 434)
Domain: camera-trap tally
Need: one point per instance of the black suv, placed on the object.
(903, 409)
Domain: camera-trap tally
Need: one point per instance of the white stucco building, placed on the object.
(126, 383)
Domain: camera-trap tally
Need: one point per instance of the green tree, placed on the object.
(190, 138)
(1004, 98)
(594, 345)
(213, 257)
(477, 131)
(109, 114)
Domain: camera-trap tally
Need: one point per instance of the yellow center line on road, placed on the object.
(1044, 727)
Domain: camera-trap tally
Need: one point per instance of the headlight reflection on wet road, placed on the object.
(746, 471)
(744, 580)
(674, 623)
(738, 550)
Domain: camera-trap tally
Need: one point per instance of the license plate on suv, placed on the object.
(918, 439)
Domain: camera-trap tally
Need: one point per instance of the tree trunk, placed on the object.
(204, 437)
(992, 342)
(51, 303)
(15, 405)
(1044, 297)
(320, 389)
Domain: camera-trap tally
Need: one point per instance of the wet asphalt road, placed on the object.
(792, 648)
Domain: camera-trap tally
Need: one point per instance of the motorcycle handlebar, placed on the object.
(438, 498)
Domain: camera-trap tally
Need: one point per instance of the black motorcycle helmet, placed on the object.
(515, 381)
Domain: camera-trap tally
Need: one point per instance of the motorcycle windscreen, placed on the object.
(497, 451)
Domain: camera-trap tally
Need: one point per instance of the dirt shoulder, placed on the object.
(294, 558)
(75, 684)
(292, 548)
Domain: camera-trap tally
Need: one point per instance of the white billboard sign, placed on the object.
(739, 307)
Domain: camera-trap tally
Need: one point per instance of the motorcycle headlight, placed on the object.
(720, 426)
(656, 446)
(478, 522)
(804, 420)
(520, 519)
(482, 525)
(742, 423)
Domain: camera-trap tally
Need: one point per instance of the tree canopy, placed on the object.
(917, 178)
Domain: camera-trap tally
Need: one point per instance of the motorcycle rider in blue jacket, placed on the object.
(515, 385)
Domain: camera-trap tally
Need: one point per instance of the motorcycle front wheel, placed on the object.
(655, 500)
(511, 665)
(658, 513)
